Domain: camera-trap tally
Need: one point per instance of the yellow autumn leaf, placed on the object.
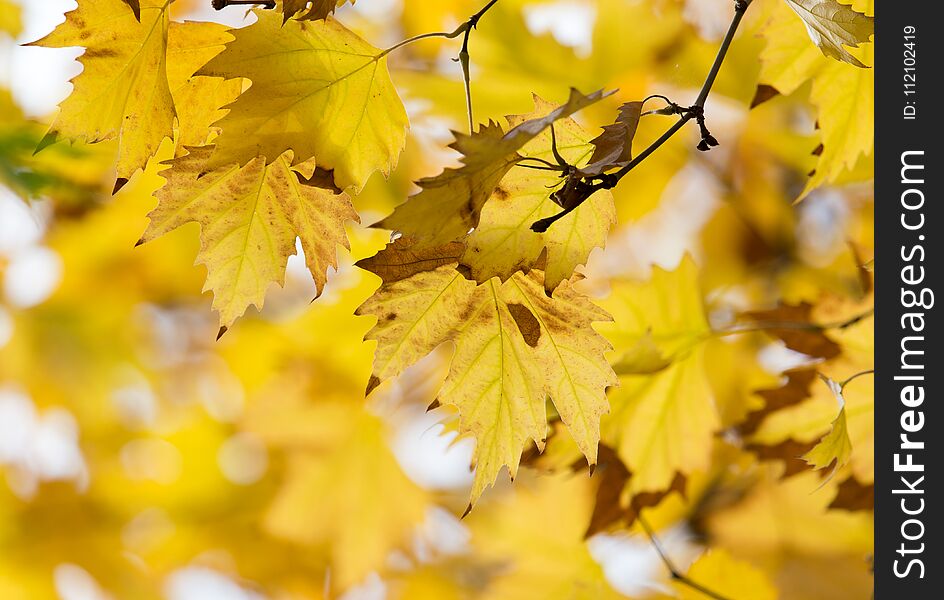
(514, 346)
(835, 446)
(11, 21)
(538, 531)
(351, 473)
(832, 25)
(249, 219)
(503, 242)
(123, 91)
(755, 525)
(728, 577)
(344, 112)
(845, 120)
(450, 204)
(198, 99)
(663, 415)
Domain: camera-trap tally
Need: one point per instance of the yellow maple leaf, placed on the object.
(198, 100)
(123, 90)
(832, 25)
(344, 111)
(514, 347)
(845, 120)
(538, 530)
(249, 219)
(352, 473)
(728, 577)
(450, 204)
(503, 242)
(835, 446)
(664, 415)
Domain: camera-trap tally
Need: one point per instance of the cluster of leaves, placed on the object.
(267, 137)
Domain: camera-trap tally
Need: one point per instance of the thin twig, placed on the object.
(851, 378)
(465, 30)
(676, 574)
(696, 111)
(471, 24)
(794, 325)
(221, 4)
(740, 7)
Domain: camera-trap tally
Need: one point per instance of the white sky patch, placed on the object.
(663, 236)
(821, 230)
(75, 583)
(710, 17)
(571, 23)
(440, 534)
(39, 77)
(430, 458)
(6, 327)
(632, 565)
(201, 583)
(36, 446)
(372, 588)
(32, 276)
(775, 358)
(21, 225)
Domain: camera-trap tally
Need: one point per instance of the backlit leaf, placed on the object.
(514, 347)
(345, 111)
(249, 218)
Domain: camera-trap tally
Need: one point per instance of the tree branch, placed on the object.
(696, 111)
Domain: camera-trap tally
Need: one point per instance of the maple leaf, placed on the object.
(539, 532)
(249, 219)
(835, 446)
(503, 242)
(726, 577)
(831, 25)
(845, 120)
(661, 422)
(345, 111)
(346, 468)
(197, 99)
(514, 347)
(122, 91)
(450, 204)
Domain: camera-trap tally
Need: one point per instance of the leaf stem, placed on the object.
(676, 574)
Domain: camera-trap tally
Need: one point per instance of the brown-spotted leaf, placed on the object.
(514, 348)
